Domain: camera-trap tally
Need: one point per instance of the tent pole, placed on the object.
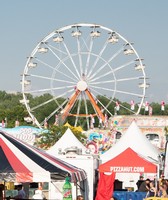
(4, 189)
(158, 172)
(76, 190)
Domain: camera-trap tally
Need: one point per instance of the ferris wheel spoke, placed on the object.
(103, 106)
(106, 63)
(118, 80)
(62, 87)
(117, 91)
(129, 93)
(55, 111)
(86, 109)
(79, 53)
(64, 63)
(78, 110)
(52, 99)
(64, 93)
(42, 104)
(44, 63)
(123, 66)
(59, 50)
(101, 76)
(56, 69)
(129, 79)
(48, 78)
(89, 54)
(48, 89)
(110, 101)
(86, 43)
(60, 106)
(101, 82)
(70, 56)
(98, 58)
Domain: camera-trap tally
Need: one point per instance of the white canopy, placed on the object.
(66, 141)
(134, 139)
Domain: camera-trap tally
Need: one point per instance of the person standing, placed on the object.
(162, 192)
(21, 193)
(144, 187)
(141, 180)
(1, 191)
(152, 190)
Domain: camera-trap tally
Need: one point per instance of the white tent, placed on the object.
(66, 141)
(87, 162)
(134, 139)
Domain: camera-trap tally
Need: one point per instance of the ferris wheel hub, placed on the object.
(82, 85)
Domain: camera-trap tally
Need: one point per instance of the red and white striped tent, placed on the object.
(21, 162)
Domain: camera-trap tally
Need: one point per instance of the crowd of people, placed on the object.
(21, 194)
(153, 188)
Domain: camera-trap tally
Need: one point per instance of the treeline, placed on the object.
(11, 109)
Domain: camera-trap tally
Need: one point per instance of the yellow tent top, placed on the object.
(78, 128)
(67, 124)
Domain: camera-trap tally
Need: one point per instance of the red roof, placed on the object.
(128, 162)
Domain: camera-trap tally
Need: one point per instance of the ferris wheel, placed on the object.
(83, 70)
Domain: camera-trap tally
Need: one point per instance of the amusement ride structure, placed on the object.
(76, 65)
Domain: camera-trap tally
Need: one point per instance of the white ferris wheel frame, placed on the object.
(80, 84)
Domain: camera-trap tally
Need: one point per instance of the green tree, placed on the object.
(50, 137)
(11, 109)
(166, 132)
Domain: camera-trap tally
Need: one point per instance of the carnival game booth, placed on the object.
(132, 148)
(68, 148)
(23, 163)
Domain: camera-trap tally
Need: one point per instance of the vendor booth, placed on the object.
(128, 166)
(21, 162)
(130, 157)
(68, 148)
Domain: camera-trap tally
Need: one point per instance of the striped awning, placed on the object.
(21, 162)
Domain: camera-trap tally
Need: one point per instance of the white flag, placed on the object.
(146, 106)
(162, 105)
(117, 106)
(132, 105)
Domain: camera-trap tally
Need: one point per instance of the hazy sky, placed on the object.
(145, 23)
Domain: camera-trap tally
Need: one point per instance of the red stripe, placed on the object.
(76, 175)
(22, 173)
